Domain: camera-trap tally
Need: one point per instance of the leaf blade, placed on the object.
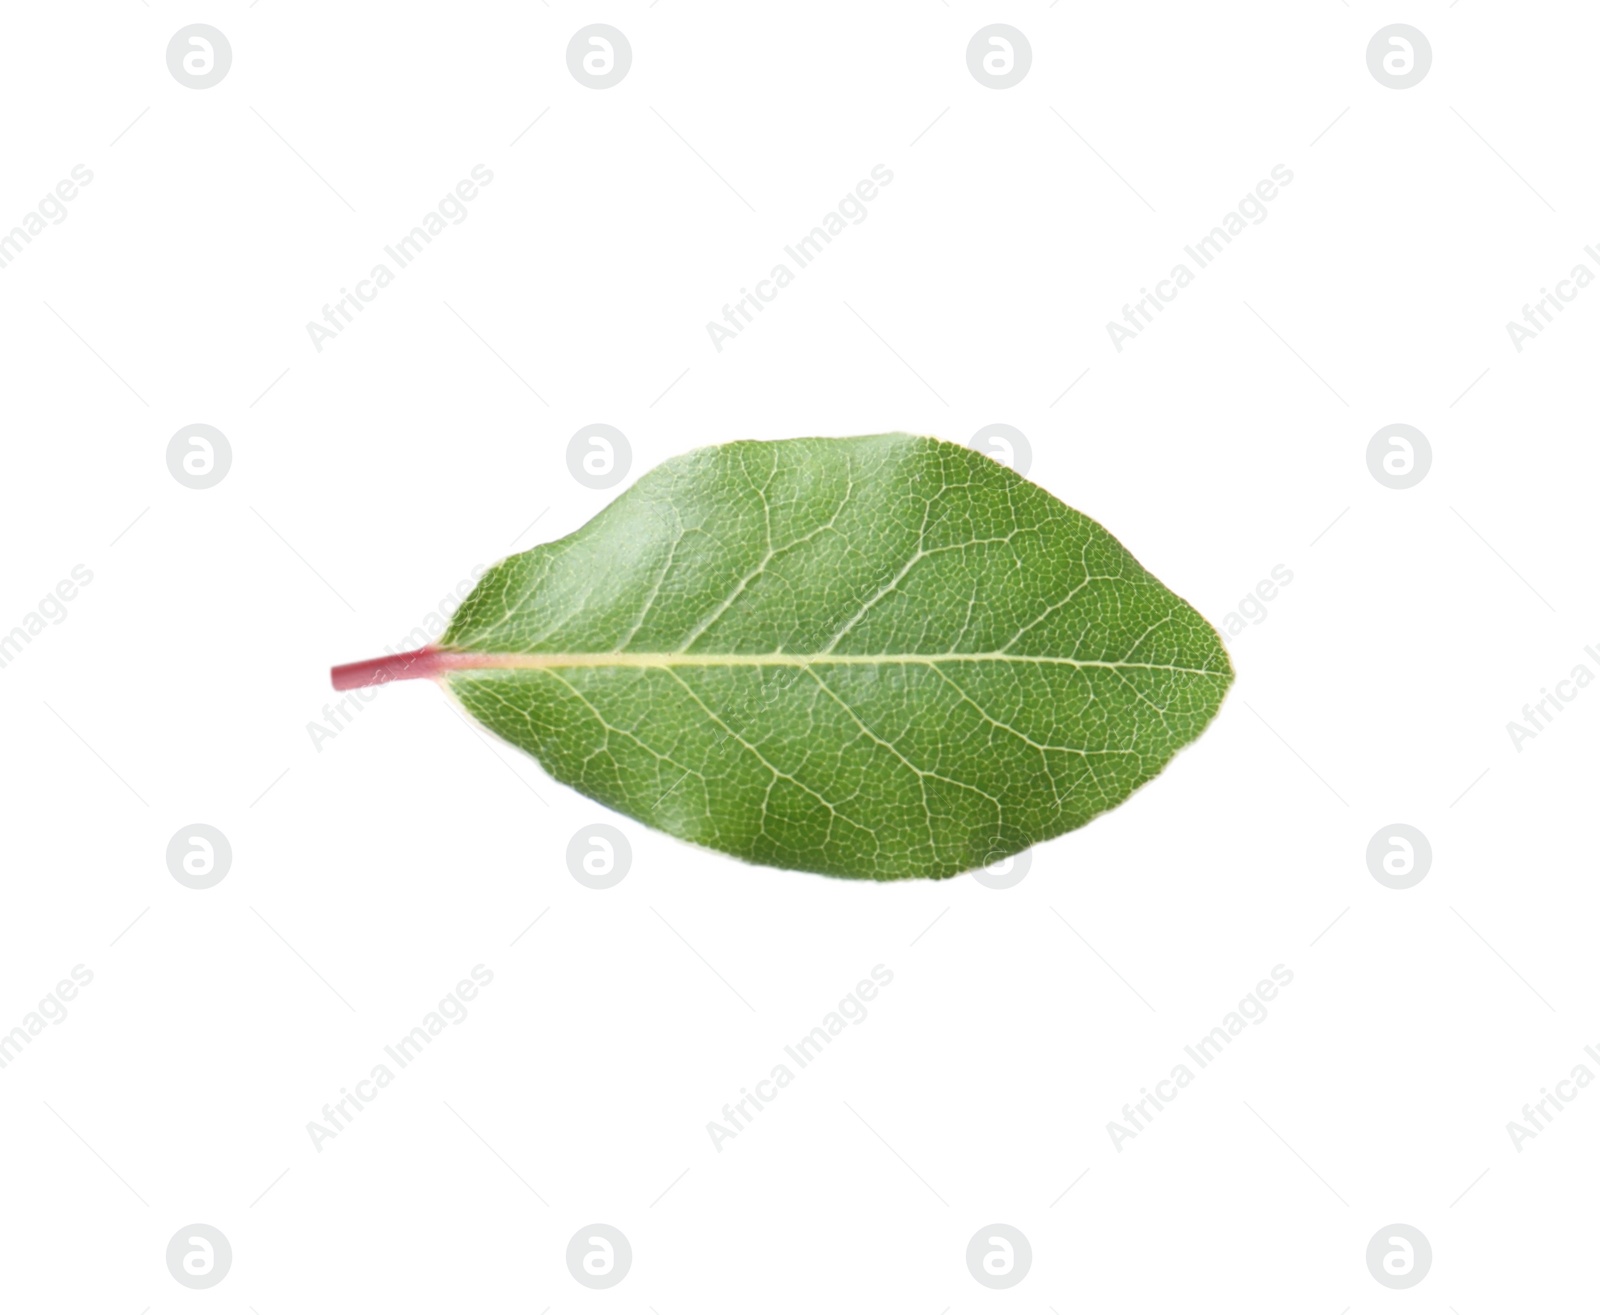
(885, 657)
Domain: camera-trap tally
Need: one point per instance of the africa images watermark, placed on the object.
(851, 1009)
(1538, 317)
(1253, 206)
(52, 608)
(1567, 1089)
(1137, 1116)
(340, 715)
(52, 206)
(51, 1009)
(452, 206)
(452, 1009)
(1253, 606)
(852, 206)
(1540, 715)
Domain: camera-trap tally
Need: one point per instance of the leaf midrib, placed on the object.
(466, 660)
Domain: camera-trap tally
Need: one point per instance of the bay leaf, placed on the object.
(884, 657)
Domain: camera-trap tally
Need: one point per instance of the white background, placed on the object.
(371, 874)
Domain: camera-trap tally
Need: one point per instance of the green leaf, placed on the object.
(877, 657)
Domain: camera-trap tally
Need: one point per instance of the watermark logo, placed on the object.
(1399, 456)
(1399, 856)
(1004, 873)
(199, 1256)
(999, 1256)
(1006, 444)
(599, 456)
(1399, 56)
(199, 856)
(599, 856)
(999, 56)
(599, 1256)
(199, 56)
(599, 56)
(199, 456)
(1399, 1256)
